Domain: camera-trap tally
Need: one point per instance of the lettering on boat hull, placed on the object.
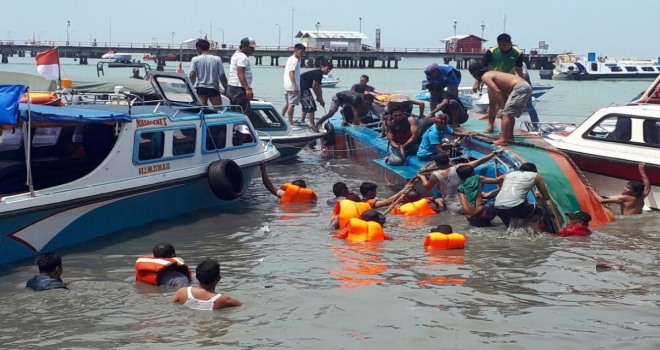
(151, 122)
(153, 168)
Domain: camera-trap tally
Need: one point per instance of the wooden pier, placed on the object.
(387, 58)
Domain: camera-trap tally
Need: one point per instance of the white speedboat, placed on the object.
(609, 144)
(593, 67)
(478, 101)
(116, 56)
(329, 81)
(90, 170)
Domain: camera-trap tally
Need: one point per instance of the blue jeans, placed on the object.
(533, 116)
(397, 158)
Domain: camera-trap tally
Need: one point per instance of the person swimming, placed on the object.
(204, 296)
(292, 192)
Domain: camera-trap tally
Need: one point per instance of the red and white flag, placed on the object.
(179, 69)
(48, 64)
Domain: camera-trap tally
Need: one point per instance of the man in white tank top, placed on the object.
(511, 202)
(204, 297)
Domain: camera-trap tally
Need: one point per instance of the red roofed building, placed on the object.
(464, 43)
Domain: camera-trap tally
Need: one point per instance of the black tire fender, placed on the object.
(226, 179)
(329, 137)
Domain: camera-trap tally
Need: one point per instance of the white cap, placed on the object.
(242, 128)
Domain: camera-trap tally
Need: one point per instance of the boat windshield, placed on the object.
(174, 89)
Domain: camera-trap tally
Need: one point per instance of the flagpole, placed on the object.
(27, 126)
(59, 70)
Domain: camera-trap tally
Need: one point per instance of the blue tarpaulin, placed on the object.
(10, 96)
(54, 114)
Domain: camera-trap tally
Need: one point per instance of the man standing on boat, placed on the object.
(292, 82)
(311, 80)
(239, 84)
(206, 73)
(501, 58)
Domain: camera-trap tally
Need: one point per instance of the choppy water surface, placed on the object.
(303, 289)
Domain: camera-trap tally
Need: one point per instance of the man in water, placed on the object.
(401, 131)
(511, 202)
(136, 74)
(501, 58)
(204, 297)
(286, 194)
(239, 85)
(445, 76)
(164, 268)
(292, 82)
(448, 103)
(477, 211)
(431, 143)
(578, 225)
(341, 191)
(631, 200)
(363, 87)
(369, 190)
(207, 73)
(448, 180)
(50, 273)
(311, 80)
(504, 87)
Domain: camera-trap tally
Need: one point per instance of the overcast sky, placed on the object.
(612, 29)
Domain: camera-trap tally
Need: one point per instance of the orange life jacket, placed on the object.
(437, 240)
(148, 268)
(43, 98)
(347, 209)
(295, 194)
(364, 231)
(421, 207)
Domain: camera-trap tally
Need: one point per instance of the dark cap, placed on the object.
(446, 229)
(373, 215)
(248, 42)
(580, 215)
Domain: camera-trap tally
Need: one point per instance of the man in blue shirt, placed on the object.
(432, 138)
(444, 74)
(50, 271)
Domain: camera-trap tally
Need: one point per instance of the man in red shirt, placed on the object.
(578, 225)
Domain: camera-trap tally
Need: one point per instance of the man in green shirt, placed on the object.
(501, 58)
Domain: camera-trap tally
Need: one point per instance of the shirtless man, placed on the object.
(504, 87)
(632, 198)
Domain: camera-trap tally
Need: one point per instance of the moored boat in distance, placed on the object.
(117, 56)
(609, 144)
(570, 66)
(329, 81)
(95, 169)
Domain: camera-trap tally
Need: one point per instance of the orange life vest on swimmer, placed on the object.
(148, 268)
(364, 231)
(295, 194)
(421, 207)
(347, 209)
(438, 240)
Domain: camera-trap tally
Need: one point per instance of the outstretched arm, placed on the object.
(484, 159)
(645, 179)
(266, 180)
(601, 200)
(428, 184)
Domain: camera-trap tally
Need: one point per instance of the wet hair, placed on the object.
(373, 215)
(208, 271)
(203, 44)
(339, 188)
(368, 97)
(300, 47)
(164, 250)
(413, 195)
(637, 188)
(464, 171)
(364, 76)
(528, 167)
(299, 183)
(48, 262)
(435, 86)
(504, 38)
(367, 187)
(441, 159)
(477, 69)
(354, 198)
(446, 229)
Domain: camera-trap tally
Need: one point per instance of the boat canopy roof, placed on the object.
(106, 85)
(54, 114)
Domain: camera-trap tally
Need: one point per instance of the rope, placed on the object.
(429, 167)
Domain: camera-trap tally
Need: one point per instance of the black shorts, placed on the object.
(455, 106)
(483, 217)
(208, 92)
(307, 101)
(238, 97)
(524, 210)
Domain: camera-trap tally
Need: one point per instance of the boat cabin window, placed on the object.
(265, 118)
(612, 128)
(594, 67)
(152, 145)
(183, 141)
(615, 69)
(216, 137)
(648, 69)
(631, 69)
(658, 68)
(241, 135)
(652, 132)
(174, 89)
(11, 139)
(45, 137)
